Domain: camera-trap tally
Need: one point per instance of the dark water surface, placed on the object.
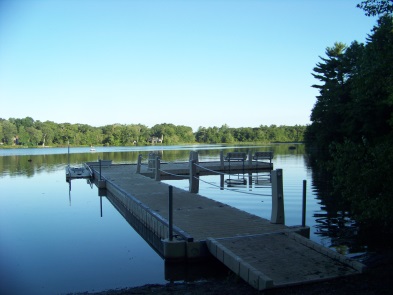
(55, 241)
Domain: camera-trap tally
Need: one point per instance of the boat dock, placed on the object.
(265, 253)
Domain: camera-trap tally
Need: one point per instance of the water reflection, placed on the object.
(57, 238)
(333, 221)
(50, 247)
(174, 271)
(329, 218)
(27, 162)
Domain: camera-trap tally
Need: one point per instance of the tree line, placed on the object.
(30, 132)
(352, 119)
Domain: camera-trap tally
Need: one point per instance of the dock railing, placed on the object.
(276, 178)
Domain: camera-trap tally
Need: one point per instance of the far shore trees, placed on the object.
(36, 133)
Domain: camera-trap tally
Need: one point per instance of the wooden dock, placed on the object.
(264, 254)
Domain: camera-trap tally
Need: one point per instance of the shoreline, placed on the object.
(378, 279)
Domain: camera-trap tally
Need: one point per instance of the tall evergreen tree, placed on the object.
(353, 115)
(326, 112)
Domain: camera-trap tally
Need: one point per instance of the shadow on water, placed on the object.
(208, 268)
(333, 220)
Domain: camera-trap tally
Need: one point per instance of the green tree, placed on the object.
(225, 134)
(201, 134)
(1, 131)
(213, 135)
(353, 116)
(376, 7)
(66, 133)
(9, 132)
(112, 134)
(35, 136)
(24, 137)
(372, 102)
(130, 134)
(172, 134)
(47, 129)
(327, 110)
(185, 134)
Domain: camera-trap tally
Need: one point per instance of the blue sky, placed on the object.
(205, 63)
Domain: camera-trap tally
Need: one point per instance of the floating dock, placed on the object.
(264, 254)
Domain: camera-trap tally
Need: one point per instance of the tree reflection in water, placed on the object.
(334, 221)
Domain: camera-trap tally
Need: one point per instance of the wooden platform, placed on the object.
(280, 259)
(176, 170)
(264, 254)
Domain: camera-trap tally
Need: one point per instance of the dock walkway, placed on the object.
(265, 255)
(167, 170)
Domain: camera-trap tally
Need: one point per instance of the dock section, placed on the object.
(280, 259)
(264, 254)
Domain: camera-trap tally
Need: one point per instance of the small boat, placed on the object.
(73, 172)
(92, 149)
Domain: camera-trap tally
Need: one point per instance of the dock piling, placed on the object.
(193, 181)
(194, 156)
(278, 215)
(222, 182)
(138, 166)
(222, 159)
(157, 169)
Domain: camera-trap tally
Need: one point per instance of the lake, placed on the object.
(56, 241)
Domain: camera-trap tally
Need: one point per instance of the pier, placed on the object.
(187, 226)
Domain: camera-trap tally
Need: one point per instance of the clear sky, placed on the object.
(243, 63)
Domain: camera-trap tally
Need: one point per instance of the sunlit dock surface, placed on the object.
(264, 254)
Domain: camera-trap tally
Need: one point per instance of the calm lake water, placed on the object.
(55, 241)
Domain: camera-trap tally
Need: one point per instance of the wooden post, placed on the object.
(221, 181)
(193, 181)
(194, 156)
(138, 166)
(222, 159)
(157, 170)
(278, 215)
(249, 157)
(304, 203)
